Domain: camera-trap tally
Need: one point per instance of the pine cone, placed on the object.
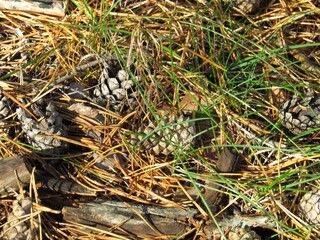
(4, 105)
(247, 6)
(243, 234)
(118, 92)
(40, 134)
(164, 136)
(309, 207)
(299, 115)
(5, 111)
(17, 227)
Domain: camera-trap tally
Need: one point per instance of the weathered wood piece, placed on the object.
(146, 221)
(12, 170)
(48, 7)
(136, 219)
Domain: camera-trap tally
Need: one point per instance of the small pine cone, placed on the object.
(118, 92)
(169, 133)
(4, 105)
(299, 115)
(40, 134)
(5, 111)
(309, 207)
(247, 6)
(246, 233)
(17, 226)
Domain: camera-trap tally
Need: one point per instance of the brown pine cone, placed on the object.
(309, 207)
(171, 132)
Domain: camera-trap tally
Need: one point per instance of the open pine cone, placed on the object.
(299, 115)
(309, 207)
(41, 133)
(247, 6)
(5, 111)
(4, 105)
(168, 133)
(18, 226)
(117, 92)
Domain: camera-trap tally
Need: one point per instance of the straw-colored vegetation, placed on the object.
(229, 69)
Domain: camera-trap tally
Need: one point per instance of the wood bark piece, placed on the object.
(66, 186)
(227, 163)
(48, 7)
(137, 219)
(12, 170)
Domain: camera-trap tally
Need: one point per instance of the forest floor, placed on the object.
(225, 71)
